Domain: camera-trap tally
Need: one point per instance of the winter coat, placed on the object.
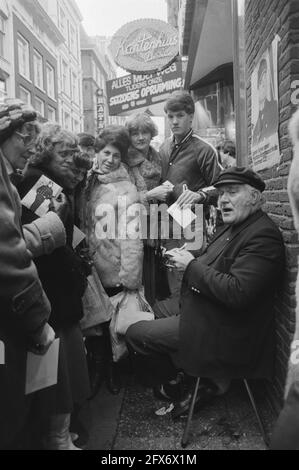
(61, 271)
(24, 309)
(117, 259)
(193, 162)
(227, 324)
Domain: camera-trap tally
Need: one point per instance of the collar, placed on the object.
(134, 157)
(185, 139)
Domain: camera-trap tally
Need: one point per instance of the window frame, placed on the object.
(24, 42)
(37, 55)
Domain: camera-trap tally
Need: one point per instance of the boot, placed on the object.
(113, 378)
(58, 437)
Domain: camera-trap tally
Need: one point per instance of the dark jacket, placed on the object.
(193, 162)
(61, 272)
(227, 314)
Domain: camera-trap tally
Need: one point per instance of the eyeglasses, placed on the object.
(27, 138)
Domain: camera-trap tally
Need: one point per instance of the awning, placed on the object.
(211, 38)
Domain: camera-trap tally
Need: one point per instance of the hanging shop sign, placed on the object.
(145, 46)
(137, 91)
(100, 110)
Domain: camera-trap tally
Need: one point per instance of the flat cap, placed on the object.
(240, 175)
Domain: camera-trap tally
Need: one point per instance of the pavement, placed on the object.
(128, 422)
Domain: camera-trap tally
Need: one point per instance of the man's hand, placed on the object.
(179, 258)
(160, 192)
(190, 197)
(43, 340)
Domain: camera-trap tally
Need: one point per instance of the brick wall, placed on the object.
(263, 20)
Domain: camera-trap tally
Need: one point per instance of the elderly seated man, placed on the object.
(225, 329)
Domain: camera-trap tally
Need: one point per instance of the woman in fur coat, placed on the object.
(144, 166)
(110, 216)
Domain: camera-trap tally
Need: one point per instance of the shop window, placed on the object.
(23, 57)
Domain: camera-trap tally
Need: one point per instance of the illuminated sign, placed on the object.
(145, 46)
(136, 91)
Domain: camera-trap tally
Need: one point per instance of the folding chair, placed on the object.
(184, 441)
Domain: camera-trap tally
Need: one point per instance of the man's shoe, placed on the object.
(205, 394)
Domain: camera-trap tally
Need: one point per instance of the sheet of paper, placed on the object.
(183, 217)
(168, 183)
(78, 236)
(2, 353)
(41, 371)
(39, 197)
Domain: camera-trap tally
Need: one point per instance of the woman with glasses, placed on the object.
(63, 277)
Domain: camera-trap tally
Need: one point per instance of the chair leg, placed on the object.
(252, 401)
(184, 441)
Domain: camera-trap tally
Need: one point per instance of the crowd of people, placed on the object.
(213, 306)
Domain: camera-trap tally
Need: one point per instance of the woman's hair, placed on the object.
(229, 147)
(86, 140)
(50, 135)
(180, 101)
(82, 160)
(117, 136)
(143, 122)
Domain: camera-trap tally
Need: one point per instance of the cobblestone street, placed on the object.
(128, 422)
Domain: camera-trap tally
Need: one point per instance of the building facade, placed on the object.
(35, 40)
(95, 75)
(67, 19)
(40, 60)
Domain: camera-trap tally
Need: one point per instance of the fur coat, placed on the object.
(117, 257)
(293, 191)
(144, 172)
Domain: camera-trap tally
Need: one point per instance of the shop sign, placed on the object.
(137, 91)
(145, 46)
(100, 109)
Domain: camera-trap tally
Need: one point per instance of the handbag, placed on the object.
(130, 307)
(97, 307)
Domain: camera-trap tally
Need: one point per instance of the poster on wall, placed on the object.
(264, 110)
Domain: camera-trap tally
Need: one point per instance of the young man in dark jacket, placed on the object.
(190, 164)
